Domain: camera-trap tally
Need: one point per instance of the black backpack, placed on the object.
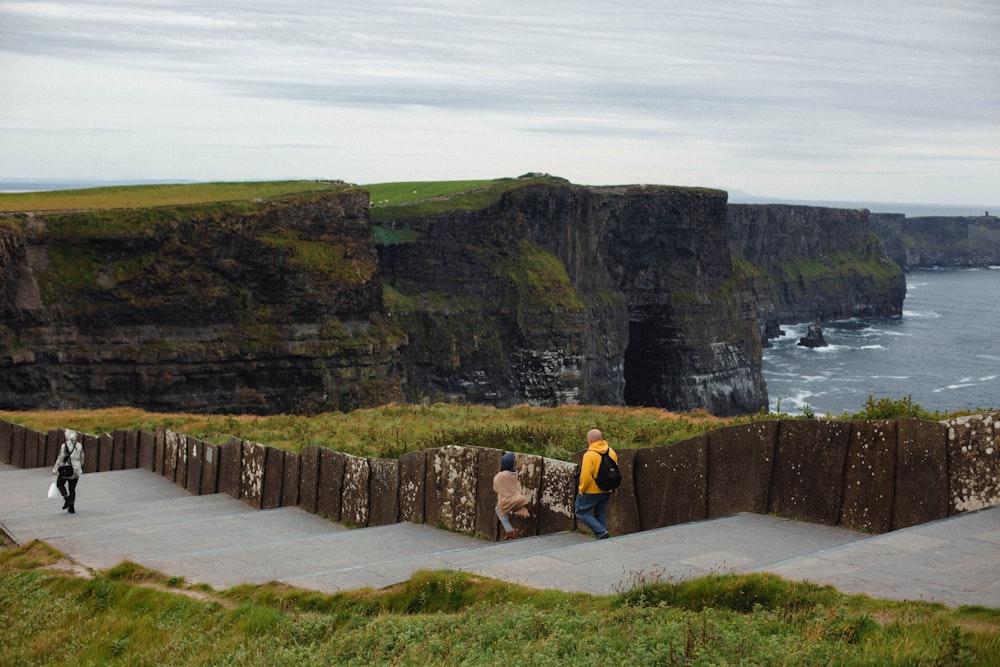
(609, 477)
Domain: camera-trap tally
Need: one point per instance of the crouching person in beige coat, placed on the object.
(509, 496)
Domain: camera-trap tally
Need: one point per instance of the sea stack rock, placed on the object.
(814, 337)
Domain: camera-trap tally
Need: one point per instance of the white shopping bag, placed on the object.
(54, 491)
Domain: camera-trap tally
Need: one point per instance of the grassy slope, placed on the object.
(131, 616)
(406, 192)
(144, 196)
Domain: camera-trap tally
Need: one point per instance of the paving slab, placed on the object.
(221, 541)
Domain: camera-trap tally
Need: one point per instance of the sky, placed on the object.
(892, 101)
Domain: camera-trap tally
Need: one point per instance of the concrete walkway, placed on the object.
(215, 539)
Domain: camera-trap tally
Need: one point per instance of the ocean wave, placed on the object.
(952, 387)
(933, 314)
(873, 347)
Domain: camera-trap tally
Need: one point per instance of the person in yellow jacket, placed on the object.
(591, 505)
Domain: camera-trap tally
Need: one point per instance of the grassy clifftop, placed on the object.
(148, 196)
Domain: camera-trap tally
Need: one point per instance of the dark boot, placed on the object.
(65, 502)
(70, 509)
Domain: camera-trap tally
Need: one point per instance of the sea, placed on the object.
(943, 353)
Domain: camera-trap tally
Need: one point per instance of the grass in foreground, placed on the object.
(131, 616)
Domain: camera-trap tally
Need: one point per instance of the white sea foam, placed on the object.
(919, 314)
(946, 330)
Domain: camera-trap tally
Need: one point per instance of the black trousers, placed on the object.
(61, 483)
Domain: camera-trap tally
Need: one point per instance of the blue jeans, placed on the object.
(504, 520)
(592, 509)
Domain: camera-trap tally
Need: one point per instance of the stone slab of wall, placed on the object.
(450, 488)
(195, 465)
(309, 478)
(230, 463)
(671, 483)
(6, 433)
(32, 441)
(921, 489)
(809, 470)
(90, 448)
(740, 460)
(431, 488)
(181, 469)
(273, 478)
(147, 450)
(974, 462)
(487, 465)
(252, 473)
(159, 445)
(105, 451)
(623, 510)
(331, 483)
(558, 492)
(354, 495)
(173, 441)
(290, 484)
(17, 446)
(383, 492)
(131, 459)
(118, 461)
(53, 441)
(210, 469)
(869, 476)
(412, 478)
(530, 470)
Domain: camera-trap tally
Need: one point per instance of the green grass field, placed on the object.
(395, 194)
(145, 196)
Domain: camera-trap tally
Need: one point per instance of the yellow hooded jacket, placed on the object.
(591, 462)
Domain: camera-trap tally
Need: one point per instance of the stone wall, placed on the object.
(876, 475)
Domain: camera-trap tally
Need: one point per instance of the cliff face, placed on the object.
(813, 263)
(543, 293)
(564, 294)
(265, 308)
(929, 242)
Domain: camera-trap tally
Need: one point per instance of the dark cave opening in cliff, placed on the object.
(643, 367)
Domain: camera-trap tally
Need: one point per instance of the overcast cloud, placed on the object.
(879, 101)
